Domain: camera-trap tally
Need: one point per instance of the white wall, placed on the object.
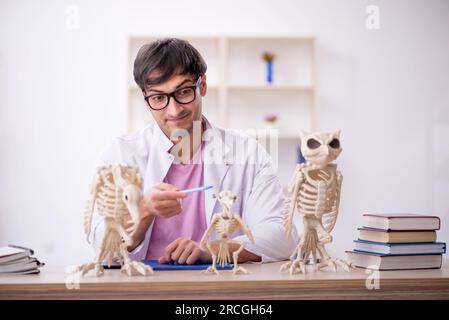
(63, 97)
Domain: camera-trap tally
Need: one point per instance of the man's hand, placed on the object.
(163, 200)
(184, 251)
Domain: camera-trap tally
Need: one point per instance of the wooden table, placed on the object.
(264, 282)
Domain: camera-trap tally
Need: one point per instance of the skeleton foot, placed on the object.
(239, 269)
(333, 263)
(295, 266)
(210, 270)
(298, 266)
(141, 268)
(85, 268)
(285, 266)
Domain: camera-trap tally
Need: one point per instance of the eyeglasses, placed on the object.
(183, 95)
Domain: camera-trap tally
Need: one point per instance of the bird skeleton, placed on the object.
(225, 223)
(315, 193)
(116, 192)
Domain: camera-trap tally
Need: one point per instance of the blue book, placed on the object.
(174, 266)
(400, 248)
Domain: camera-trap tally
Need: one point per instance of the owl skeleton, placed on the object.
(225, 223)
(116, 191)
(315, 193)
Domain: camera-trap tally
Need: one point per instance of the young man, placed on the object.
(183, 150)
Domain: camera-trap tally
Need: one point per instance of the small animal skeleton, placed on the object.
(224, 224)
(116, 190)
(315, 192)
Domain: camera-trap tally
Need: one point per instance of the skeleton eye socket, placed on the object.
(334, 144)
(313, 144)
(126, 197)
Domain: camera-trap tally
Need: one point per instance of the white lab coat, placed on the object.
(231, 162)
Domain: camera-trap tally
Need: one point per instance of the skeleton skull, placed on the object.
(320, 148)
(131, 194)
(226, 199)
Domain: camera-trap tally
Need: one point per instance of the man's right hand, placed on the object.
(163, 200)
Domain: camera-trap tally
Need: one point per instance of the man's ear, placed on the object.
(203, 85)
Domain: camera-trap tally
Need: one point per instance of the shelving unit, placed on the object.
(238, 95)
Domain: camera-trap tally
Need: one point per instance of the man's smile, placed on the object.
(178, 118)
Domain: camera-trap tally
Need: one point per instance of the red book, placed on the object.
(401, 221)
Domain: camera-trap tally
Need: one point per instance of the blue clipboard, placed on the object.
(174, 266)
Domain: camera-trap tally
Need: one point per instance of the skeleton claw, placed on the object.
(141, 268)
(85, 268)
(334, 263)
(296, 266)
(239, 269)
(285, 266)
(210, 270)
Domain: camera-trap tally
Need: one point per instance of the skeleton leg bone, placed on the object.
(213, 268)
(99, 270)
(129, 265)
(306, 247)
(296, 263)
(235, 256)
(287, 265)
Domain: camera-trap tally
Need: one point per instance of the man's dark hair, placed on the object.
(167, 57)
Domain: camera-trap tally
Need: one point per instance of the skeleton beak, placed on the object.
(134, 212)
(132, 196)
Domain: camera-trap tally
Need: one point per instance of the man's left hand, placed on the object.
(184, 251)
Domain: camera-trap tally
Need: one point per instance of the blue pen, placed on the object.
(197, 189)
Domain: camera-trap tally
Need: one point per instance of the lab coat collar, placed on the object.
(159, 159)
(161, 139)
(151, 136)
(216, 164)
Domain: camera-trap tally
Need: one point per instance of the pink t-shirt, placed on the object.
(191, 222)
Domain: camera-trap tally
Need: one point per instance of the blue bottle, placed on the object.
(270, 72)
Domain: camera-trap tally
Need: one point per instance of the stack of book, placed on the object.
(18, 260)
(398, 242)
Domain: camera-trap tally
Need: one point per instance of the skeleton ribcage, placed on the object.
(226, 227)
(109, 200)
(309, 202)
